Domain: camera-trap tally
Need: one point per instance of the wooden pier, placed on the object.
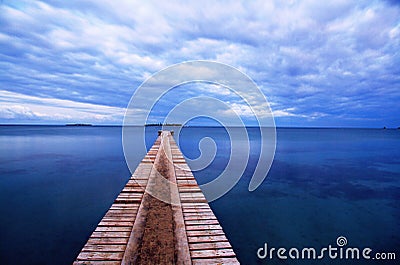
(140, 229)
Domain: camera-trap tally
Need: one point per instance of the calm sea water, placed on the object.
(56, 183)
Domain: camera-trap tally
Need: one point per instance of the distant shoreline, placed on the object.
(78, 124)
(194, 126)
(166, 124)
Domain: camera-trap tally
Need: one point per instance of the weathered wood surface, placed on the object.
(198, 236)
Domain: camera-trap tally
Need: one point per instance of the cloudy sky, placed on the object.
(319, 63)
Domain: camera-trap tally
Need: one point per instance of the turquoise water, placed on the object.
(57, 182)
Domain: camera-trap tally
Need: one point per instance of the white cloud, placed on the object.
(21, 107)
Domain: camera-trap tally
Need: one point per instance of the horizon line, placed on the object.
(193, 126)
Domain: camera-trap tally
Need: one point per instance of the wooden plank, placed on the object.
(181, 245)
(200, 217)
(142, 173)
(103, 248)
(126, 215)
(205, 239)
(192, 196)
(199, 213)
(188, 200)
(132, 184)
(127, 200)
(113, 229)
(196, 209)
(187, 182)
(187, 185)
(138, 190)
(121, 215)
(117, 219)
(134, 191)
(94, 262)
(202, 222)
(225, 261)
(187, 190)
(213, 253)
(202, 227)
(133, 198)
(196, 205)
(213, 245)
(216, 232)
(123, 203)
(100, 256)
(111, 234)
(136, 235)
(183, 178)
(123, 206)
(122, 211)
(107, 240)
(191, 192)
(130, 195)
(140, 182)
(115, 223)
